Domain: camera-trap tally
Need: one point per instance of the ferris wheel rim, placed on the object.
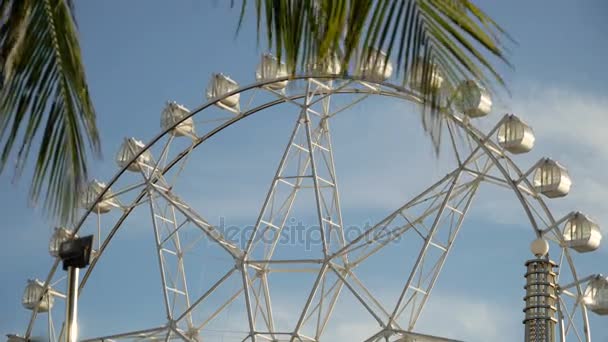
(399, 92)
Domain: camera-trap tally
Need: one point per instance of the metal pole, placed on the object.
(71, 314)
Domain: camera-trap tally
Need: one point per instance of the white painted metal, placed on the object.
(153, 334)
(515, 136)
(551, 179)
(436, 226)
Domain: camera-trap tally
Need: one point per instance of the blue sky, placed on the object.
(138, 54)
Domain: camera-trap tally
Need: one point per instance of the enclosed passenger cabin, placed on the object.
(421, 72)
(174, 113)
(271, 68)
(376, 67)
(551, 179)
(582, 234)
(596, 295)
(59, 236)
(472, 99)
(221, 85)
(128, 150)
(329, 67)
(34, 290)
(104, 205)
(515, 135)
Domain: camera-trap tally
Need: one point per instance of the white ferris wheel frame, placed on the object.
(318, 90)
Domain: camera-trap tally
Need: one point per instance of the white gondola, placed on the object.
(417, 76)
(376, 68)
(33, 291)
(128, 150)
(551, 179)
(94, 189)
(172, 114)
(221, 85)
(515, 135)
(269, 69)
(59, 236)
(472, 99)
(596, 295)
(582, 234)
(328, 67)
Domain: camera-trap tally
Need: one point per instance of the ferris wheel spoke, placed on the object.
(168, 222)
(310, 298)
(259, 298)
(152, 334)
(330, 293)
(433, 253)
(439, 238)
(323, 300)
(351, 104)
(168, 335)
(180, 334)
(381, 234)
(368, 294)
(282, 195)
(267, 301)
(219, 310)
(212, 232)
(171, 257)
(170, 289)
(308, 156)
(343, 275)
(323, 91)
(454, 140)
(206, 295)
(569, 315)
(399, 222)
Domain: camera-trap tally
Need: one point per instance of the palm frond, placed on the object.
(44, 90)
(455, 36)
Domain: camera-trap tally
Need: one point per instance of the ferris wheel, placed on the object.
(240, 291)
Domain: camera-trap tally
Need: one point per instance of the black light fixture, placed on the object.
(76, 252)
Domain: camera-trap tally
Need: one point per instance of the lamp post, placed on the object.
(75, 254)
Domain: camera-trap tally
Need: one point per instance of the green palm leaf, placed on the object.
(454, 36)
(44, 101)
